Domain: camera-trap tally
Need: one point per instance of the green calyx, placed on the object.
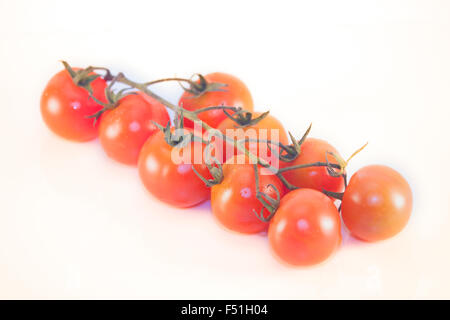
(291, 152)
(174, 138)
(269, 203)
(244, 118)
(197, 88)
(83, 77)
(215, 170)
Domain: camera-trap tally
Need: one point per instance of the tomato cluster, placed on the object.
(293, 203)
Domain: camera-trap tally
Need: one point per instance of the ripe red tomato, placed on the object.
(377, 203)
(65, 107)
(171, 182)
(255, 131)
(306, 228)
(236, 95)
(124, 129)
(234, 200)
(318, 178)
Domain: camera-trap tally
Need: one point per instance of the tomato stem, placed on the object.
(166, 80)
(308, 165)
(267, 201)
(193, 116)
(235, 109)
(336, 195)
(288, 152)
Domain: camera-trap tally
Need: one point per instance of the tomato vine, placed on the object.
(241, 117)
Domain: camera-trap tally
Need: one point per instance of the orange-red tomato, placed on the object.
(261, 130)
(318, 178)
(124, 130)
(234, 200)
(306, 228)
(65, 107)
(377, 203)
(236, 94)
(173, 182)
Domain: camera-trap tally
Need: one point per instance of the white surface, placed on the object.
(74, 224)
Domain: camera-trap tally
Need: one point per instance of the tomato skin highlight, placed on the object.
(65, 107)
(305, 229)
(175, 184)
(124, 130)
(377, 203)
(318, 178)
(234, 200)
(236, 95)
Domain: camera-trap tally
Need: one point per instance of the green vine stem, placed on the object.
(267, 201)
(191, 115)
(83, 78)
(166, 80)
(235, 109)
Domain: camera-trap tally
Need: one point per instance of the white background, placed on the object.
(74, 224)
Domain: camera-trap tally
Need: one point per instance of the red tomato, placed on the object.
(377, 203)
(234, 200)
(231, 128)
(318, 178)
(124, 129)
(306, 228)
(65, 107)
(171, 182)
(236, 95)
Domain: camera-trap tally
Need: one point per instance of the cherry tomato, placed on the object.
(236, 94)
(234, 200)
(260, 130)
(173, 182)
(377, 203)
(65, 107)
(318, 178)
(124, 129)
(306, 228)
